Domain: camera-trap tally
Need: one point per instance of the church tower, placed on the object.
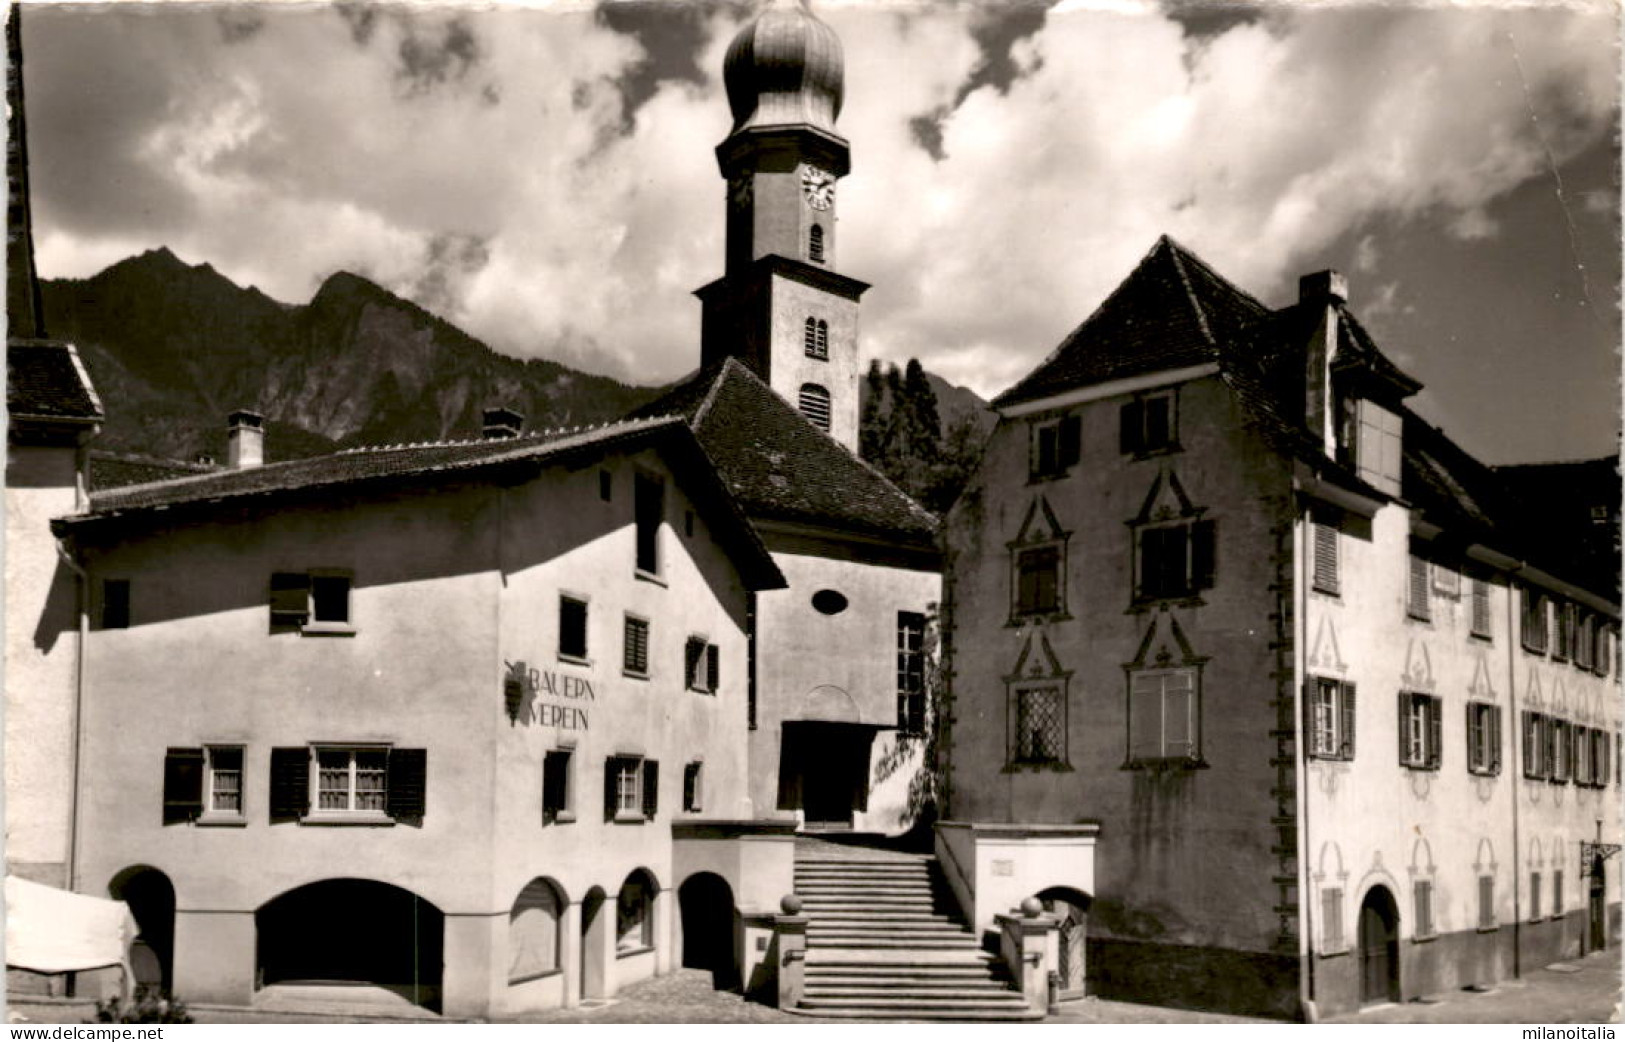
(781, 307)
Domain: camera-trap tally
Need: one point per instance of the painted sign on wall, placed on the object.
(524, 687)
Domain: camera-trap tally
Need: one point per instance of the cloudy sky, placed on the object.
(544, 176)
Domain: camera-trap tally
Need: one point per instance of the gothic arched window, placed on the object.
(815, 243)
(815, 405)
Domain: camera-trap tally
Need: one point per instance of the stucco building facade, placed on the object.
(1219, 599)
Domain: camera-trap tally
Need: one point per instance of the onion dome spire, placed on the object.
(784, 67)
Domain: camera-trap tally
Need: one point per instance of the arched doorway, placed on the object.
(706, 902)
(352, 931)
(1073, 908)
(1379, 947)
(151, 898)
(596, 950)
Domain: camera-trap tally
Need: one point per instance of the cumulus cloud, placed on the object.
(524, 173)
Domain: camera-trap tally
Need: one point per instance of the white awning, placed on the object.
(53, 931)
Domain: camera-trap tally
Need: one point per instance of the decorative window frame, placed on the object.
(1039, 531)
(1424, 751)
(1330, 734)
(1037, 669)
(213, 771)
(1483, 734)
(1164, 662)
(1199, 576)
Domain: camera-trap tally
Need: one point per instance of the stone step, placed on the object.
(957, 991)
(818, 930)
(842, 960)
(916, 1016)
(1008, 1002)
(878, 942)
(870, 917)
(898, 983)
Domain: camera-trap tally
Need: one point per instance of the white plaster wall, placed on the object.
(800, 650)
(41, 642)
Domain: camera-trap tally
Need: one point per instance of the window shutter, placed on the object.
(1311, 697)
(1325, 578)
(1418, 588)
(1434, 709)
(693, 655)
(1131, 421)
(1404, 728)
(1071, 441)
(1204, 552)
(408, 784)
(1475, 738)
(290, 598)
(611, 770)
(651, 788)
(290, 783)
(713, 668)
(183, 785)
(1348, 722)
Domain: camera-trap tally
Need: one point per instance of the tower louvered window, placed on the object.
(815, 243)
(815, 339)
(815, 405)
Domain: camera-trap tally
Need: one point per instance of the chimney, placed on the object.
(501, 423)
(1320, 294)
(245, 439)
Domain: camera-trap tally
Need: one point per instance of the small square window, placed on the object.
(1483, 738)
(701, 666)
(330, 598)
(1148, 424)
(1057, 445)
(115, 604)
(1419, 731)
(572, 628)
(1331, 719)
(558, 796)
(317, 601)
(225, 792)
(636, 659)
(693, 790)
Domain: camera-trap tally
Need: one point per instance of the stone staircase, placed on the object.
(885, 942)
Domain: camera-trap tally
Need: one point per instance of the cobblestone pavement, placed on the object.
(1577, 991)
(1582, 991)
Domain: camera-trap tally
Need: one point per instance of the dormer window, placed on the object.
(815, 339)
(815, 405)
(1373, 438)
(815, 244)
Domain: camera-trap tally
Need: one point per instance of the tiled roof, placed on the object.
(780, 467)
(1170, 312)
(116, 469)
(393, 466)
(45, 380)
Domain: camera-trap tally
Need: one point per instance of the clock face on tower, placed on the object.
(819, 187)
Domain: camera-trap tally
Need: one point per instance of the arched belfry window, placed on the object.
(815, 243)
(815, 405)
(815, 338)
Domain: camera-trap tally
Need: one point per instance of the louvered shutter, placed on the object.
(183, 785)
(1131, 421)
(1404, 728)
(611, 771)
(651, 789)
(693, 659)
(1325, 578)
(1418, 597)
(1495, 739)
(1475, 738)
(290, 598)
(290, 783)
(1434, 712)
(1071, 441)
(713, 668)
(408, 784)
(1347, 737)
(1311, 698)
(1204, 555)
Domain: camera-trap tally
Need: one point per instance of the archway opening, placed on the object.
(1072, 906)
(706, 902)
(151, 897)
(1379, 947)
(352, 931)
